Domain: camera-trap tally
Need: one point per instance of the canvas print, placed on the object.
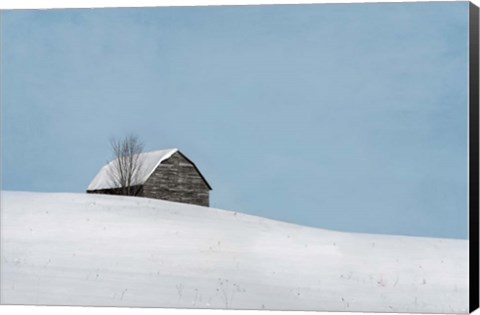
(277, 157)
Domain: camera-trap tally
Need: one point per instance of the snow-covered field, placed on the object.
(79, 249)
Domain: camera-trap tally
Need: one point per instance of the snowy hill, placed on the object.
(79, 249)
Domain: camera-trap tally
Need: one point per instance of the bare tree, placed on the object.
(127, 164)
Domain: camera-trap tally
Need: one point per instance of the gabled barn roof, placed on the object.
(150, 162)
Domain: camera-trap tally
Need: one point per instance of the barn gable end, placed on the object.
(177, 179)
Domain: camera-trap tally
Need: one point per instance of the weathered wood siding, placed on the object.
(177, 179)
(137, 191)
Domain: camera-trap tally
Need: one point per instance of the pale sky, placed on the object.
(350, 117)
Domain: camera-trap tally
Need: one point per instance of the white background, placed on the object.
(38, 4)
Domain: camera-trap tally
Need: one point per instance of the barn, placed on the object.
(165, 174)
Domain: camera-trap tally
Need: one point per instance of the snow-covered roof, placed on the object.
(150, 161)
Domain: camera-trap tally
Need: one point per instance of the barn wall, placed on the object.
(138, 191)
(176, 179)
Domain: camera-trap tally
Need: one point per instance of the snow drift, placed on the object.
(79, 249)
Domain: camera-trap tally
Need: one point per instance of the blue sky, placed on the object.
(346, 117)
